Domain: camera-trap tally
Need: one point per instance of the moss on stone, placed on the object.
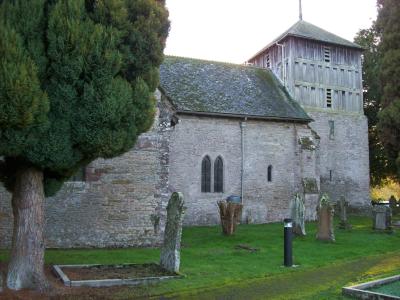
(310, 185)
(215, 87)
(307, 143)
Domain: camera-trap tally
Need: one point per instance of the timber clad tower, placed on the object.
(323, 73)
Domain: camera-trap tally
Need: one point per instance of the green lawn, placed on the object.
(210, 262)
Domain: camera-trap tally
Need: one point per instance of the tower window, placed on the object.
(327, 54)
(206, 175)
(268, 62)
(269, 173)
(218, 175)
(328, 98)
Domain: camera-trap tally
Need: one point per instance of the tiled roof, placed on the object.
(199, 86)
(307, 30)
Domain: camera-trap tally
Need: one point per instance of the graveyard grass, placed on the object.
(211, 262)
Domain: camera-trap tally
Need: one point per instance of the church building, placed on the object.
(288, 120)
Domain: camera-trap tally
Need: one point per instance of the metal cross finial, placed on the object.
(300, 11)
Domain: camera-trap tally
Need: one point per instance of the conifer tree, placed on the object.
(76, 83)
(388, 28)
(380, 166)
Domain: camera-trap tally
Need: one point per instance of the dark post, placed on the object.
(288, 261)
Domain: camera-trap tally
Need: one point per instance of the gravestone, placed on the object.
(297, 211)
(382, 217)
(393, 205)
(170, 251)
(342, 205)
(325, 213)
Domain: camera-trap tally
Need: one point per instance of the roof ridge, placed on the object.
(214, 61)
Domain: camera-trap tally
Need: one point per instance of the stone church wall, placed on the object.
(265, 143)
(120, 204)
(344, 157)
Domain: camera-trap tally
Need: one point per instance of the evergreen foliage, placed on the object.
(76, 81)
(388, 29)
(380, 166)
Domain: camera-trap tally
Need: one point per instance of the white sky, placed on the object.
(234, 30)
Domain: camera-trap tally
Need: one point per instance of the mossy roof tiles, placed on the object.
(309, 31)
(198, 86)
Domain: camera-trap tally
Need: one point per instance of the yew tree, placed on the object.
(388, 29)
(76, 83)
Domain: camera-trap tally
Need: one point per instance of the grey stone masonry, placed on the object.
(344, 157)
(121, 202)
(265, 143)
(170, 256)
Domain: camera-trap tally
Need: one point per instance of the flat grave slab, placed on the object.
(97, 275)
(375, 290)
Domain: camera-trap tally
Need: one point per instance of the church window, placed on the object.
(327, 54)
(269, 173)
(206, 175)
(330, 175)
(331, 129)
(218, 175)
(328, 98)
(268, 62)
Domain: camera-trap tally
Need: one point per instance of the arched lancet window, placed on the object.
(206, 175)
(218, 175)
(269, 175)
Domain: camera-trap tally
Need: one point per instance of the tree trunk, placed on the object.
(26, 267)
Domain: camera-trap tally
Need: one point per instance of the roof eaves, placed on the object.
(161, 89)
(241, 116)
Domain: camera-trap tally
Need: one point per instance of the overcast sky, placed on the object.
(234, 30)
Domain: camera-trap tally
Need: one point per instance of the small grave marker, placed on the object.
(382, 217)
(342, 204)
(325, 213)
(298, 210)
(170, 251)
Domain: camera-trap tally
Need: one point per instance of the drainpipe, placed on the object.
(283, 63)
(242, 128)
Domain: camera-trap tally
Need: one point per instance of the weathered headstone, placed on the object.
(229, 213)
(393, 205)
(325, 213)
(382, 217)
(342, 205)
(297, 211)
(170, 251)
